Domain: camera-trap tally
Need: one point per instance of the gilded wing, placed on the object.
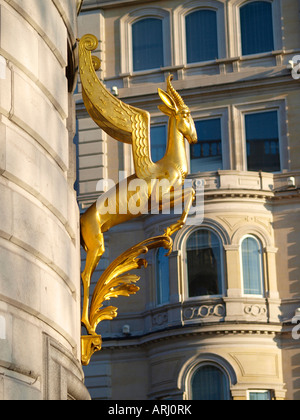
(123, 122)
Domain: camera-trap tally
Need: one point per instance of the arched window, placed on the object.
(162, 277)
(147, 44)
(252, 266)
(257, 27)
(209, 383)
(201, 36)
(204, 264)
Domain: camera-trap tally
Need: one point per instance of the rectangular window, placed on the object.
(206, 155)
(162, 277)
(158, 142)
(262, 142)
(259, 395)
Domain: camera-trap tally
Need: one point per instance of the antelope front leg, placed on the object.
(181, 222)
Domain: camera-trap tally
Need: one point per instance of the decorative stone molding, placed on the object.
(204, 312)
(160, 319)
(255, 310)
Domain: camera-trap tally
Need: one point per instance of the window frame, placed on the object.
(180, 52)
(239, 112)
(236, 35)
(243, 6)
(126, 45)
(202, 9)
(262, 271)
(185, 265)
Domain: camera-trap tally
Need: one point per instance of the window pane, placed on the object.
(147, 44)
(206, 155)
(158, 142)
(204, 264)
(209, 384)
(201, 36)
(162, 277)
(257, 27)
(252, 268)
(262, 138)
(259, 396)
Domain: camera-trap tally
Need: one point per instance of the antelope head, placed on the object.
(174, 106)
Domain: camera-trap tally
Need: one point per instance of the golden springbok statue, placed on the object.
(131, 125)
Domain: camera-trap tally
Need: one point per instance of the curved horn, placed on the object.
(175, 95)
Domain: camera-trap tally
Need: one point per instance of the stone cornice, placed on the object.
(203, 331)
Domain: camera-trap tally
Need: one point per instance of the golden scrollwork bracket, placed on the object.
(130, 125)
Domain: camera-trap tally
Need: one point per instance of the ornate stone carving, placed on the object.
(255, 310)
(204, 311)
(159, 319)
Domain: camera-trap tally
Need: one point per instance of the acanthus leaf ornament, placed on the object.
(114, 282)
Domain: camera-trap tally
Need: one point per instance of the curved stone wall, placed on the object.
(39, 234)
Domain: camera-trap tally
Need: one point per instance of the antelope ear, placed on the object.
(166, 110)
(167, 100)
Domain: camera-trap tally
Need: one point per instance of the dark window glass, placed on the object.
(206, 155)
(204, 264)
(201, 36)
(257, 27)
(147, 44)
(210, 384)
(158, 142)
(262, 141)
(162, 277)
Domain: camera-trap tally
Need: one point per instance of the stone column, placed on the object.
(39, 229)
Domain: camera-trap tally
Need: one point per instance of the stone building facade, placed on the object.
(223, 309)
(39, 230)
